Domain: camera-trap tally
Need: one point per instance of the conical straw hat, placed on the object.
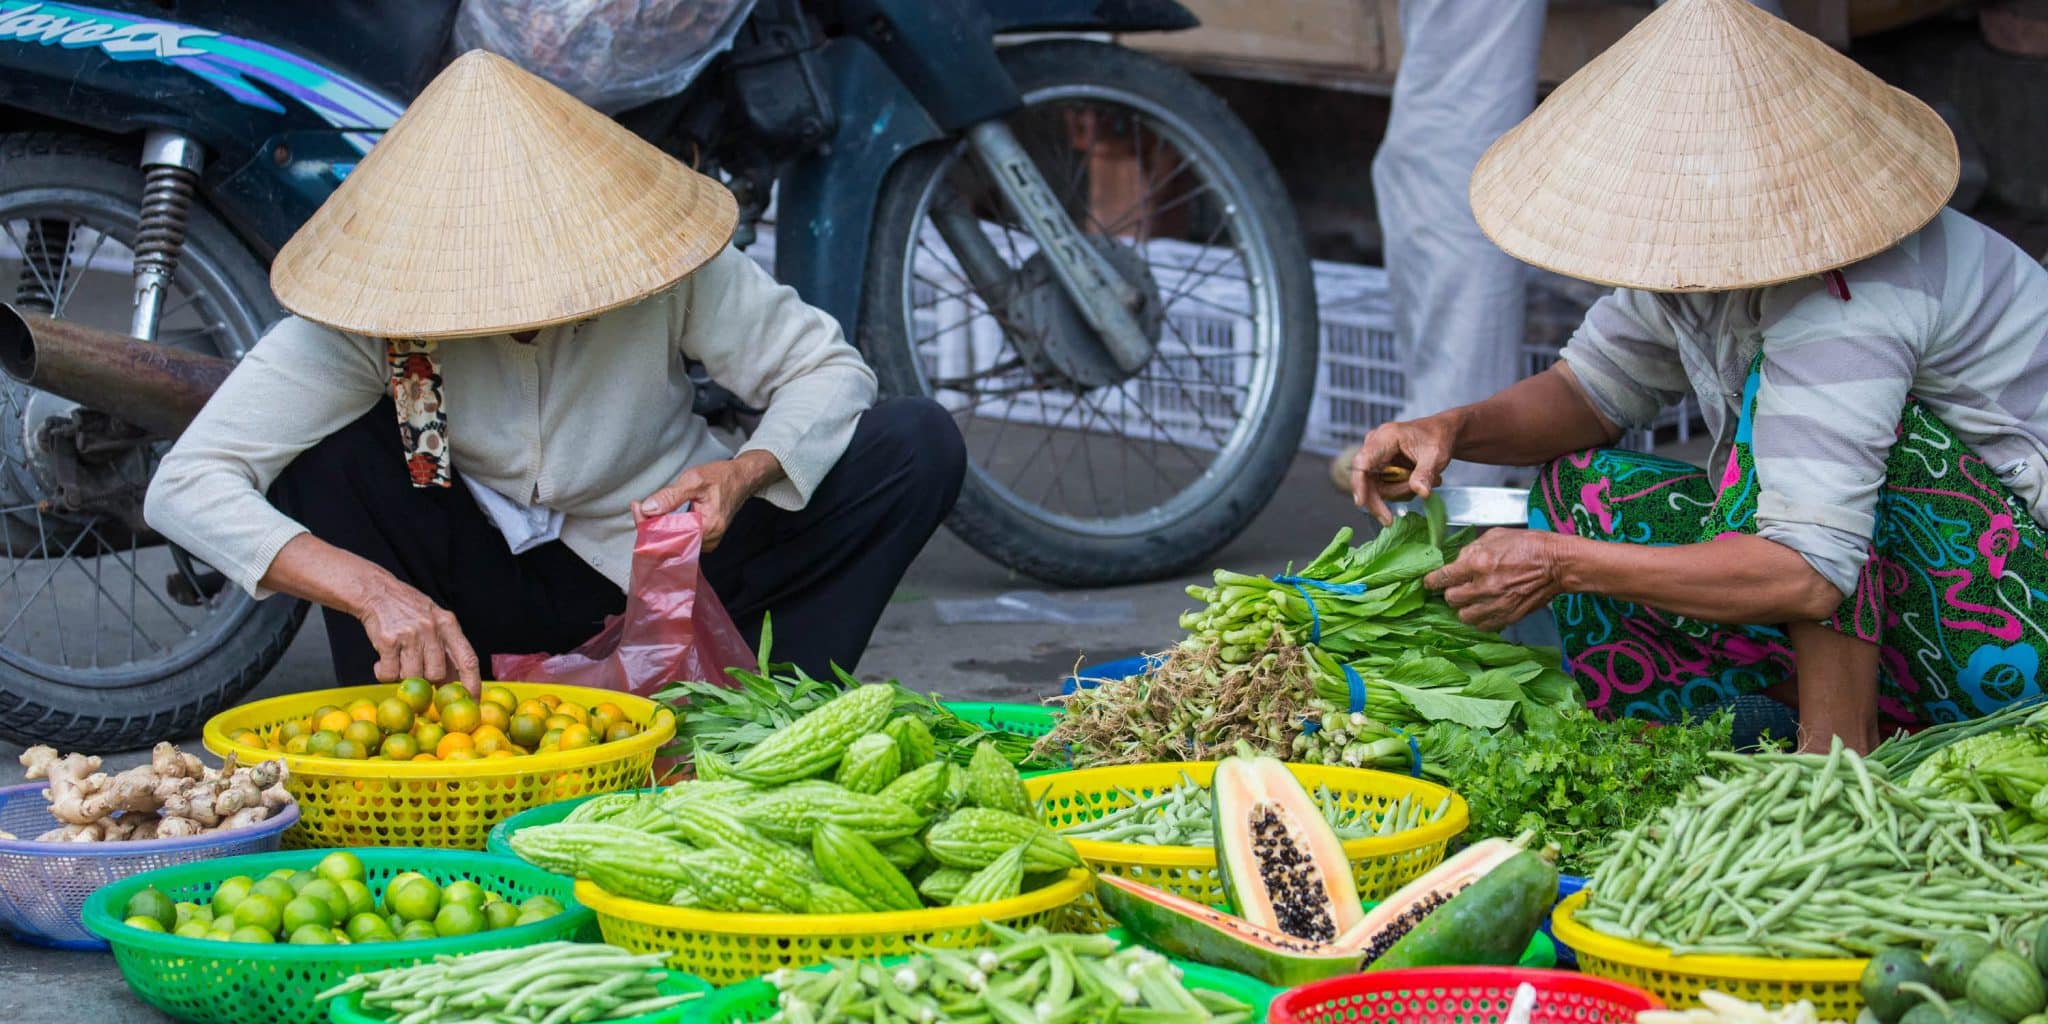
(1714, 147)
(499, 203)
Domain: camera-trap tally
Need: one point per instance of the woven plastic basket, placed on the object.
(213, 982)
(755, 1000)
(1459, 995)
(1017, 719)
(1678, 980)
(500, 839)
(1380, 865)
(449, 804)
(725, 948)
(43, 886)
(348, 1009)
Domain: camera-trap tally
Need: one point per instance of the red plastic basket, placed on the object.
(1459, 995)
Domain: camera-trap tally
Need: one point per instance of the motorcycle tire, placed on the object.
(135, 704)
(1002, 525)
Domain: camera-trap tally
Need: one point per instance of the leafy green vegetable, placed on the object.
(731, 720)
(1577, 785)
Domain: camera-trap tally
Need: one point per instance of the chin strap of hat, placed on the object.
(422, 413)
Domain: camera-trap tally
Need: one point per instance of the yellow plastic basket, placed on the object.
(725, 948)
(1830, 985)
(447, 804)
(1380, 865)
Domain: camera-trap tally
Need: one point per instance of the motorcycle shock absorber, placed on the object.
(170, 171)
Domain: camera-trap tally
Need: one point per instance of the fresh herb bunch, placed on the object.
(730, 720)
(1586, 780)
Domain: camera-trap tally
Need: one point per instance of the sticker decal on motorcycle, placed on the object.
(231, 63)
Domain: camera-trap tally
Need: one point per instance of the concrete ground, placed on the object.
(1002, 662)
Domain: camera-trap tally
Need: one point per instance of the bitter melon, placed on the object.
(564, 848)
(831, 899)
(903, 854)
(1001, 880)
(913, 740)
(710, 826)
(853, 864)
(920, 788)
(973, 837)
(814, 743)
(942, 885)
(793, 812)
(992, 782)
(734, 882)
(871, 763)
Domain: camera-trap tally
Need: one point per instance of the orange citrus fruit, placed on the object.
(361, 707)
(500, 696)
(365, 733)
(550, 700)
(394, 715)
(461, 716)
(621, 731)
(494, 715)
(451, 743)
(334, 721)
(428, 733)
(449, 693)
(531, 708)
(293, 727)
(576, 737)
(487, 739)
(399, 746)
(424, 757)
(417, 693)
(526, 730)
(495, 754)
(321, 744)
(298, 745)
(350, 749)
(465, 754)
(559, 722)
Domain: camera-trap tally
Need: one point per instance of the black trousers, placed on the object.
(824, 572)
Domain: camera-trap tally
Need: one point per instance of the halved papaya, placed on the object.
(1186, 929)
(1282, 865)
(1479, 908)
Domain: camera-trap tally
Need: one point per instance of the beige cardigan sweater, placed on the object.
(586, 420)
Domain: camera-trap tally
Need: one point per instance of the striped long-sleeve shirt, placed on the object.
(1955, 316)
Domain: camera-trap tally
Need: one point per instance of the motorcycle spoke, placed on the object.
(28, 256)
(28, 602)
(84, 266)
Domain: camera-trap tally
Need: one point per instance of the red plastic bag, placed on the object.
(674, 626)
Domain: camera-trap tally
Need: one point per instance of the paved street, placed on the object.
(1007, 662)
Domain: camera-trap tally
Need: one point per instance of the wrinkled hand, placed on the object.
(415, 637)
(714, 490)
(1502, 576)
(1423, 447)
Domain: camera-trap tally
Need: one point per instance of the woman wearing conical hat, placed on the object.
(1866, 542)
(503, 296)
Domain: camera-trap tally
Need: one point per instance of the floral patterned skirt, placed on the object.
(1955, 592)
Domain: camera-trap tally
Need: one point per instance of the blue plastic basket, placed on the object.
(1567, 887)
(44, 885)
(1087, 677)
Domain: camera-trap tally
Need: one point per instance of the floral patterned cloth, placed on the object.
(1953, 591)
(422, 412)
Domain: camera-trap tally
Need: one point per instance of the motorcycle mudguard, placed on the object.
(943, 51)
(826, 202)
(1084, 15)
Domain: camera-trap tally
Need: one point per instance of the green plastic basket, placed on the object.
(1019, 719)
(212, 982)
(349, 1008)
(755, 1000)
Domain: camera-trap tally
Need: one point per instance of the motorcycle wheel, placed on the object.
(95, 653)
(1081, 473)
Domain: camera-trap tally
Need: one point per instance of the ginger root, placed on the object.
(174, 795)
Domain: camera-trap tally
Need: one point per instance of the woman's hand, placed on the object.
(1423, 447)
(415, 637)
(714, 490)
(1503, 576)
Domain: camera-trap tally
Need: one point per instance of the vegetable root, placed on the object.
(173, 796)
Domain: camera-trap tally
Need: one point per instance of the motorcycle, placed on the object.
(1074, 246)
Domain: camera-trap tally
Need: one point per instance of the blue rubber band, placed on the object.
(1315, 620)
(1414, 751)
(1357, 688)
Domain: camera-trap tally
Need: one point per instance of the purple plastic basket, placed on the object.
(43, 885)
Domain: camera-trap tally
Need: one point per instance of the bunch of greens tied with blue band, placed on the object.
(1344, 661)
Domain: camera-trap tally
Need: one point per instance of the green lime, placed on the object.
(527, 917)
(251, 933)
(544, 904)
(259, 911)
(360, 900)
(415, 900)
(499, 914)
(299, 880)
(274, 888)
(304, 910)
(311, 935)
(230, 892)
(282, 873)
(329, 894)
(340, 937)
(339, 866)
(190, 930)
(142, 922)
(458, 919)
(188, 911)
(153, 904)
(465, 893)
(362, 927)
(221, 928)
(415, 931)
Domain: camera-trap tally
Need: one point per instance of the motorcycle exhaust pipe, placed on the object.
(155, 387)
